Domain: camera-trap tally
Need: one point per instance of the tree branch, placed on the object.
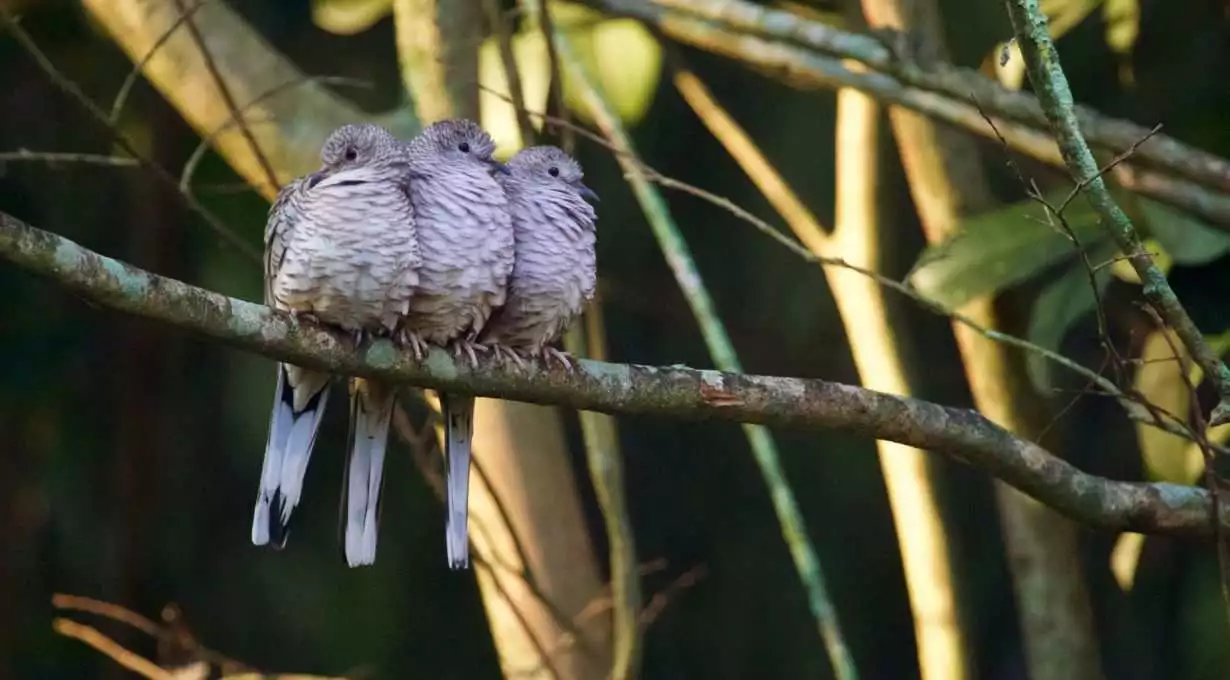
(962, 84)
(675, 392)
(1047, 76)
(808, 67)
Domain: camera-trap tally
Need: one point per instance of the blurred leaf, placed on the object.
(621, 54)
(1186, 239)
(348, 17)
(998, 249)
(1061, 304)
(1125, 557)
(1064, 15)
(498, 116)
(1159, 379)
(1122, 19)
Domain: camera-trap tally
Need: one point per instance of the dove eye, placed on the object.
(553, 171)
(351, 154)
(464, 147)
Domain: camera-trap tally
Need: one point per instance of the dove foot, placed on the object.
(565, 359)
(412, 341)
(308, 316)
(503, 352)
(470, 348)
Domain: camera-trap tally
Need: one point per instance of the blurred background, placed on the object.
(131, 451)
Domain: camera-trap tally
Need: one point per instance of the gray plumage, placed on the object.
(556, 269)
(466, 237)
(341, 249)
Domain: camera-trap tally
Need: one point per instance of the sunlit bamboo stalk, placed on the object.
(527, 502)
(603, 458)
(861, 305)
(946, 181)
(679, 258)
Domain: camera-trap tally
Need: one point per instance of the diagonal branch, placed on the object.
(802, 66)
(1047, 76)
(964, 85)
(681, 393)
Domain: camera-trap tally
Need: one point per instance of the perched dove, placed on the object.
(340, 249)
(466, 238)
(556, 270)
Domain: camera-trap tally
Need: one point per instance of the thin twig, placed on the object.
(70, 88)
(568, 140)
(110, 648)
(108, 610)
(1047, 76)
(194, 159)
(54, 157)
(225, 90)
(134, 74)
(1171, 425)
(503, 34)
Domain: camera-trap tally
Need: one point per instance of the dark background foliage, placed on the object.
(129, 453)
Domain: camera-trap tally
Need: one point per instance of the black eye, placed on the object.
(464, 147)
(351, 154)
(553, 171)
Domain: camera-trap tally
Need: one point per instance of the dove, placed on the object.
(340, 250)
(555, 271)
(466, 237)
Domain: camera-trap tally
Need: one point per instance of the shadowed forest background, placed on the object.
(130, 452)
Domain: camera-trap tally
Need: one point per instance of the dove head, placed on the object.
(457, 140)
(549, 166)
(355, 145)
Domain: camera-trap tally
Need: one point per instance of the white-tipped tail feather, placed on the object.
(458, 413)
(298, 405)
(371, 410)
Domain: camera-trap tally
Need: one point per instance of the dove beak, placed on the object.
(500, 167)
(315, 178)
(588, 193)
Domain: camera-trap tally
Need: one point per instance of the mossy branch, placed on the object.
(1055, 96)
(626, 389)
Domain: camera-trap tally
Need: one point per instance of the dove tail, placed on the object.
(371, 410)
(299, 403)
(458, 413)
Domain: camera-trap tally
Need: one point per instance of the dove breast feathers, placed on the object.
(465, 234)
(344, 249)
(555, 272)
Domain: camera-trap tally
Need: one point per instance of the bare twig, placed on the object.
(1172, 425)
(54, 157)
(70, 88)
(503, 33)
(564, 130)
(223, 89)
(112, 649)
(130, 81)
(194, 159)
(1045, 72)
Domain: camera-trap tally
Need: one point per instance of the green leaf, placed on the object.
(1187, 239)
(1063, 302)
(623, 57)
(998, 249)
(348, 17)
